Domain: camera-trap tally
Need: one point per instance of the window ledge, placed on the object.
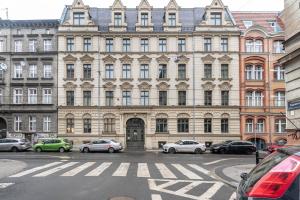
(17, 79)
(109, 79)
(182, 79)
(47, 78)
(126, 79)
(208, 79)
(225, 79)
(163, 79)
(109, 133)
(144, 79)
(70, 79)
(32, 79)
(162, 133)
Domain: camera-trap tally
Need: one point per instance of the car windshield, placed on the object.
(227, 142)
(114, 141)
(178, 142)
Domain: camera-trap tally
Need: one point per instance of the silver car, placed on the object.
(14, 144)
(190, 146)
(101, 145)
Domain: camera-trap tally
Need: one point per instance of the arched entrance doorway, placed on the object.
(260, 143)
(135, 134)
(3, 128)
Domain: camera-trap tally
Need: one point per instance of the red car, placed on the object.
(273, 147)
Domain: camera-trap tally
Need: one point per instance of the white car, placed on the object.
(184, 146)
(101, 145)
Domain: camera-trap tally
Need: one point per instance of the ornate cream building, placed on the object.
(145, 75)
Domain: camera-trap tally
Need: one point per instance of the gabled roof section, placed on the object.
(118, 5)
(172, 5)
(144, 5)
(217, 4)
(78, 4)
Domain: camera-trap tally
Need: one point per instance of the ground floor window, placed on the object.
(207, 125)
(183, 125)
(224, 125)
(109, 125)
(70, 125)
(162, 125)
(87, 125)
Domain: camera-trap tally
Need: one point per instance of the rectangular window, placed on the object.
(87, 125)
(207, 44)
(224, 125)
(145, 45)
(70, 125)
(258, 46)
(248, 24)
(47, 96)
(249, 46)
(279, 99)
(47, 124)
(144, 19)
(144, 71)
(32, 123)
(224, 44)
(87, 44)
(163, 98)
(161, 125)
(109, 98)
(162, 71)
(126, 71)
(249, 126)
(32, 71)
(280, 125)
(18, 96)
(118, 19)
(109, 125)
(126, 98)
(78, 18)
(109, 71)
(70, 44)
(126, 45)
(47, 45)
(18, 71)
(162, 45)
(1, 74)
(172, 19)
(278, 46)
(32, 45)
(87, 71)
(144, 98)
(182, 125)
(216, 19)
(18, 46)
(225, 98)
(32, 96)
(208, 71)
(47, 71)
(1, 46)
(181, 98)
(207, 125)
(181, 71)
(208, 98)
(18, 124)
(224, 71)
(109, 45)
(70, 98)
(181, 45)
(1, 96)
(87, 98)
(279, 73)
(70, 71)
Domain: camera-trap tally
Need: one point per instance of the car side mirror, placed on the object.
(244, 176)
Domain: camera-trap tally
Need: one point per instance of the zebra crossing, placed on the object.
(94, 169)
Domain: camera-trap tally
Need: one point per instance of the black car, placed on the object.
(277, 177)
(233, 147)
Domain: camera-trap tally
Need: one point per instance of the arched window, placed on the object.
(249, 125)
(260, 126)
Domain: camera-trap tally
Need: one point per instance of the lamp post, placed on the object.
(256, 147)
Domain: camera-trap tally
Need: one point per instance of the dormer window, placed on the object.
(118, 19)
(248, 24)
(172, 19)
(144, 19)
(78, 18)
(216, 19)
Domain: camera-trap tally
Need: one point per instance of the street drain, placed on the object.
(121, 198)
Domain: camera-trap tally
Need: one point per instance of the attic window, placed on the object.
(248, 23)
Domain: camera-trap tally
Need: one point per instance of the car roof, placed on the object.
(294, 150)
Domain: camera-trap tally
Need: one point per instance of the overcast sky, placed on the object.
(52, 9)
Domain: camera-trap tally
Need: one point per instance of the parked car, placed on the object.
(273, 147)
(101, 145)
(233, 147)
(53, 144)
(276, 177)
(190, 146)
(14, 144)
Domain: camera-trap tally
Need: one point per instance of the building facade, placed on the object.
(262, 87)
(28, 78)
(291, 62)
(146, 76)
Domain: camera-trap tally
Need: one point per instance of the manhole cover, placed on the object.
(121, 198)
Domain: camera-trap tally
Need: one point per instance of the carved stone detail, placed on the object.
(144, 59)
(109, 59)
(86, 58)
(109, 86)
(208, 59)
(70, 58)
(183, 115)
(86, 85)
(208, 86)
(163, 59)
(126, 59)
(182, 59)
(144, 86)
(182, 86)
(163, 86)
(161, 115)
(126, 86)
(225, 86)
(70, 85)
(225, 59)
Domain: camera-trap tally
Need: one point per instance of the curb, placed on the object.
(231, 184)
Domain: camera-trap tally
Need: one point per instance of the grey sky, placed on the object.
(52, 9)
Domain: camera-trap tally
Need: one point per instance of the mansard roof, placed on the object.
(47, 23)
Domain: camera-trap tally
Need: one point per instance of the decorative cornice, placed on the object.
(109, 59)
(145, 59)
(208, 86)
(126, 86)
(225, 59)
(163, 86)
(182, 59)
(86, 58)
(182, 86)
(144, 86)
(163, 59)
(87, 85)
(109, 86)
(208, 59)
(70, 85)
(225, 86)
(70, 58)
(126, 59)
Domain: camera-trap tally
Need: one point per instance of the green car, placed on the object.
(55, 144)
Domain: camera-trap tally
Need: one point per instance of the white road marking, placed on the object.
(200, 169)
(122, 170)
(100, 169)
(79, 169)
(164, 171)
(186, 172)
(5, 185)
(233, 196)
(211, 191)
(216, 161)
(30, 171)
(187, 188)
(143, 170)
(54, 170)
(156, 197)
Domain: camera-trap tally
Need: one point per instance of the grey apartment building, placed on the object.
(28, 78)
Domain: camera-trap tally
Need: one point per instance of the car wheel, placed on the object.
(85, 150)
(249, 152)
(198, 151)
(172, 150)
(38, 149)
(111, 150)
(61, 150)
(14, 149)
(222, 151)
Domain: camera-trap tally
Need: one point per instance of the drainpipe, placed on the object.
(194, 84)
(269, 89)
(99, 88)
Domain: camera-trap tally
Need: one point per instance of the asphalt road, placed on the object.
(103, 176)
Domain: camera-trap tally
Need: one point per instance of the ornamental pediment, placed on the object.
(109, 86)
(225, 59)
(86, 58)
(163, 86)
(109, 59)
(144, 5)
(144, 59)
(144, 86)
(86, 85)
(182, 86)
(183, 115)
(163, 59)
(225, 86)
(118, 5)
(208, 59)
(172, 5)
(70, 58)
(183, 59)
(126, 86)
(126, 59)
(78, 4)
(208, 86)
(70, 85)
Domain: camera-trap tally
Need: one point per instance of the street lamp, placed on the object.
(256, 147)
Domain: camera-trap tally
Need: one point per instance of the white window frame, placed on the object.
(109, 71)
(18, 45)
(279, 99)
(32, 124)
(126, 98)
(249, 125)
(279, 72)
(18, 71)
(47, 124)
(126, 71)
(47, 71)
(145, 98)
(18, 96)
(32, 45)
(18, 123)
(279, 123)
(47, 45)
(144, 71)
(32, 95)
(32, 71)
(47, 96)
(260, 126)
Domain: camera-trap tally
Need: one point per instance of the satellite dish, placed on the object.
(3, 66)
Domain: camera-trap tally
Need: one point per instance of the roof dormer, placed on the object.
(118, 18)
(144, 16)
(172, 17)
